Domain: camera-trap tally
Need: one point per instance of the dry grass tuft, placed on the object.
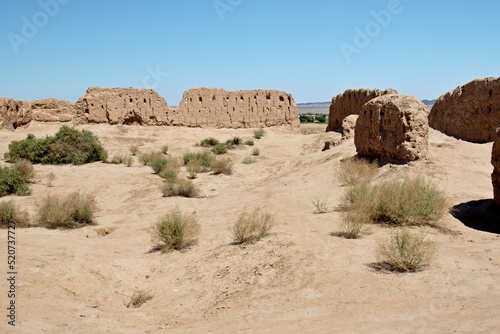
(321, 206)
(405, 251)
(251, 227)
(354, 170)
(222, 166)
(71, 211)
(176, 231)
(10, 215)
(25, 168)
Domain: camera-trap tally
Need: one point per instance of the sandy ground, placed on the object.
(300, 279)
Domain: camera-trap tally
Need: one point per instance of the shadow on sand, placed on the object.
(482, 215)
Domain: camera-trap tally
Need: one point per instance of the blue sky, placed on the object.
(312, 49)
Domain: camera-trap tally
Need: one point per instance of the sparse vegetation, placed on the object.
(219, 149)
(179, 187)
(412, 201)
(405, 252)
(222, 166)
(138, 298)
(128, 161)
(353, 170)
(176, 231)
(122, 159)
(164, 149)
(67, 146)
(188, 156)
(248, 161)
(11, 215)
(234, 141)
(251, 227)
(321, 206)
(209, 142)
(134, 150)
(13, 182)
(158, 163)
(259, 133)
(169, 173)
(249, 142)
(71, 211)
(256, 152)
(25, 168)
(352, 225)
(147, 158)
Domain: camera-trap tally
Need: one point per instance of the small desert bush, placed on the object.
(249, 142)
(67, 146)
(11, 215)
(235, 141)
(193, 168)
(50, 178)
(209, 142)
(248, 161)
(71, 211)
(352, 225)
(188, 156)
(222, 166)
(353, 170)
(158, 163)
(138, 298)
(412, 201)
(13, 182)
(164, 149)
(25, 168)
(147, 158)
(176, 230)
(259, 133)
(219, 149)
(134, 150)
(128, 161)
(252, 226)
(180, 187)
(405, 251)
(122, 159)
(256, 152)
(169, 173)
(321, 206)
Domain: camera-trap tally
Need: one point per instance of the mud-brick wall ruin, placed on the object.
(201, 107)
(122, 106)
(218, 108)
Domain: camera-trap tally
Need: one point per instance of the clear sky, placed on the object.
(312, 49)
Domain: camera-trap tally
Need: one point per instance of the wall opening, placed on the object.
(282, 99)
(268, 96)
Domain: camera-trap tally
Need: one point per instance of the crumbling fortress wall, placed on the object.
(218, 108)
(351, 102)
(122, 106)
(200, 107)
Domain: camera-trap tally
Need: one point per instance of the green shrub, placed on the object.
(352, 225)
(177, 231)
(222, 166)
(25, 168)
(249, 142)
(13, 182)
(320, 118)
(256, 152)
(408, 202)
(147, 158)
(169, 173)
(209, 142)
(259, 133)
(405, 252)
(67, 146)
(251, 227)
(10, 214)
(219, 149)
(188, 156)
(158, 163)
(234, 141)
(248, 161)
(128, 161)
(164, 149)
(71, 211)
(134, 149)
(179, 187)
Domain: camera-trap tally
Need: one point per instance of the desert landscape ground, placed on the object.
(299, 279)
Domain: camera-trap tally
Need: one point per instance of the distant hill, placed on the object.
(429, 103)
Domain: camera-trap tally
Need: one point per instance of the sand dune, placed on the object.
(298, 280)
